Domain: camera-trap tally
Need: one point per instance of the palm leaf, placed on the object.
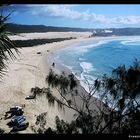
(6, 45)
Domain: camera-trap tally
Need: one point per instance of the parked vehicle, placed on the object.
(22, 126)
(16, 121)
(30, 97)
(18, 118)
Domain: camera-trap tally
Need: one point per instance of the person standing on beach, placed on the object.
(53, 64)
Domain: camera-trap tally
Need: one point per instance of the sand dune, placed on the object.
(49, 35)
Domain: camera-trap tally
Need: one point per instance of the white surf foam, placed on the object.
(85, 80)
(133, 40)
(87, 67)
(85, 48)
(81, 59)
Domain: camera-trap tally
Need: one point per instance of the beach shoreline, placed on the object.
(29, 70)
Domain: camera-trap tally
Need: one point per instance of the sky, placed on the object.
(75, 15)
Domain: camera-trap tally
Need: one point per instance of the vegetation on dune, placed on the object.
(118, 113)
(34, 42)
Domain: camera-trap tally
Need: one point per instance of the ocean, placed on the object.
(90, 60)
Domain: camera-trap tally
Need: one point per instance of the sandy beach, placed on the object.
(30, 70)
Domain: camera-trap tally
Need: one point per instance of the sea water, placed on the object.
(93, 59)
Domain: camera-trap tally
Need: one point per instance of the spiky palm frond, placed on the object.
(7, 47)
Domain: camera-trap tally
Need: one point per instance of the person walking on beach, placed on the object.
(53, 64)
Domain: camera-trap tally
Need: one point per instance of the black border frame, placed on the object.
(56, 137)
(70, 1)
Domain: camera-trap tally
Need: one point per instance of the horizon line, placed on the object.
(71, 27)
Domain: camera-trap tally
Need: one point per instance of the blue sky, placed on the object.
(80, 15)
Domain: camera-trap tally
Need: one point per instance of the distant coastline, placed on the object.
(98, 32)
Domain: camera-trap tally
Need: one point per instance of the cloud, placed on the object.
(127, 20)
(17, 8)
(62, 11)
(66, 11)
(69, 12)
